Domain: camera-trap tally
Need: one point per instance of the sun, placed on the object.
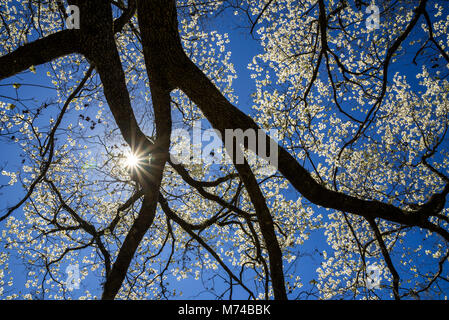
(131, 160)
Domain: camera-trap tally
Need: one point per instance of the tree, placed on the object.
(357, 143)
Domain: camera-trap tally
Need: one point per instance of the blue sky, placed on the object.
(243, 48)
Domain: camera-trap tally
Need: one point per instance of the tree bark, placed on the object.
(43, 50)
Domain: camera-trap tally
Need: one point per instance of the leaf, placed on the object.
(16, 85)
(33, 69)
(12, 106)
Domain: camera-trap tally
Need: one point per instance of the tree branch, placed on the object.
(43, 50)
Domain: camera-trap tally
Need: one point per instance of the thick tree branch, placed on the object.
(159, 30)
(43, 50)
(267, 228)
(183, 73)
(98, 45)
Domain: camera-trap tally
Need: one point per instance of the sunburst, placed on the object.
(131, 160)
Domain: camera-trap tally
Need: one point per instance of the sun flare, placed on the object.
(131, 160)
